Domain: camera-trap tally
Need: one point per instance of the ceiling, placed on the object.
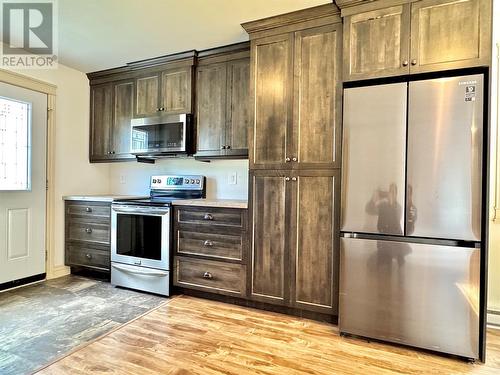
(102, 34)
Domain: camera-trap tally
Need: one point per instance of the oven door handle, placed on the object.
(141, 210)
(142, 271)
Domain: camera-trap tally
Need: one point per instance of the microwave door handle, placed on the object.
(137, 271)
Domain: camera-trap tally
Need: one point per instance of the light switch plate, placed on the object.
(233, 178)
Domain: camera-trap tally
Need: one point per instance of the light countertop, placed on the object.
(99, 198)
(222, 203)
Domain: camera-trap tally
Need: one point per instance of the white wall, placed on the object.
(73, 173)
(133, 177)
(494, 251)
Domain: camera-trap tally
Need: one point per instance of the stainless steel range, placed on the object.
(141, 233)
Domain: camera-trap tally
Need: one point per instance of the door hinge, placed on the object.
(47, 185)
(46, 255)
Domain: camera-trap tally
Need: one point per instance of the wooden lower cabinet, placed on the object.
(295, 246)
(210, 250)
(88, 235)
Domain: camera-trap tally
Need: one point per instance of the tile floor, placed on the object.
(41, 322)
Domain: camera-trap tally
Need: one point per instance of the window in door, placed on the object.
(15, 145)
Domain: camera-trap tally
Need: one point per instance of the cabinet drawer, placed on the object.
(209, 216)
(90, 209)
(209, 275)
(84, 256)
(89, 232)
(225, 246)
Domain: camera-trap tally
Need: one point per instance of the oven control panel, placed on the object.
(191, 182)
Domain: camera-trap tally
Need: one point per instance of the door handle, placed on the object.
(208, 275)
(208, 243)
(208, 217)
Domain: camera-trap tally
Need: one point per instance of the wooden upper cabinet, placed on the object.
(147, 95)
(272, 81)
(269, 260)
(101, 117)
(176, 90)
(211, 108)
(416, 37)
(123, 114)
(450, 34)
(317, 97)
(314, 248)
(376, 43)
(238, 107)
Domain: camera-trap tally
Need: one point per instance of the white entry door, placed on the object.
(23, 143)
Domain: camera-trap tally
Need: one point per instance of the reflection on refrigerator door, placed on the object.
(416, 294)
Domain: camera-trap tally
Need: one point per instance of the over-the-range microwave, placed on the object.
(162, 135)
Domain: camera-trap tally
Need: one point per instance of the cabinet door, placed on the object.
(101, 119)
(376, 43)
(450, 34)
(176, 90)
(269, 258)
(146, 95)
(238, 107)
(123, 113)
(317, 97)
(315, 245)
(271, 85)
(211, 109)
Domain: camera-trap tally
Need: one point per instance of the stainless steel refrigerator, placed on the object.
(411, 238)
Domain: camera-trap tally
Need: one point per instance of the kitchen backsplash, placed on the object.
(133, 177)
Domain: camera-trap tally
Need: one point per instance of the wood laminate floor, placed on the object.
(194, 336)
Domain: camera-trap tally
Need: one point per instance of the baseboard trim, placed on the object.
(493, 319)
(58, 271)
(21, 282)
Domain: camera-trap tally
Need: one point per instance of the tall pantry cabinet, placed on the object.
(294, 152)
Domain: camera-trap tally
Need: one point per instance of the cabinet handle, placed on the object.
(287, 178)
(413, 62)
(208, 217)
(88, 256)
(287, 160)
(405, 63)
(222, 147)
(88, 209)
(294, 159)
(294, 178)
(161, 109)
(207, 275)
(208, 243)
(88, 230)
(228, 147)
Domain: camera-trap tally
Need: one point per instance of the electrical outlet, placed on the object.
(233, 178)
(123, 180)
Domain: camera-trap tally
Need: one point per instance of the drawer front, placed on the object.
(89, 209)
(209, 275)
(231, 217)
(88, 232)
(78, 255)
(224, 246)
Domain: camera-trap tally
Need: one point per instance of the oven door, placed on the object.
(140, 236)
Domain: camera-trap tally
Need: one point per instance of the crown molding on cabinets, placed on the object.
(350, 7)
(303, 19)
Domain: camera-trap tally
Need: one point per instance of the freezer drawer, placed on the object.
(374, 147)
(421, 295)
(445, 128)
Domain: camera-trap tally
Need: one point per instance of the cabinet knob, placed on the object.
(208, 217)
(161, 109)
(88, 256)
(413, 62)
(88, 209)
(88, 230)
(222, 147)
(405, 63)
(207, 275)
(287, 178)
(287, 159)
(294, 159)
(208, 243)
(228, 147)
(294, 178)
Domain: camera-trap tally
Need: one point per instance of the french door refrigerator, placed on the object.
(411, 213)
